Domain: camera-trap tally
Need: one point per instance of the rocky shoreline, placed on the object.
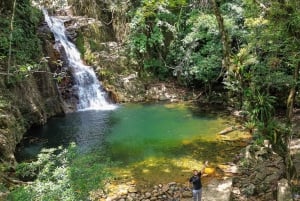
(128, 191)
(216, 190)
(260, 169)
(258, 174)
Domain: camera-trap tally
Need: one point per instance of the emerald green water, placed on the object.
(145, 131)
(152, 143)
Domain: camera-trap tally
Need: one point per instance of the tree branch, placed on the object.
(10, 39)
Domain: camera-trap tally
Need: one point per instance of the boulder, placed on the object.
(259, 171)
(284, 191)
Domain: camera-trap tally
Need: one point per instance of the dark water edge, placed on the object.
(62, 130)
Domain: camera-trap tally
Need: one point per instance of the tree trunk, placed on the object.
(292, 94)
(10, 38)
(224, 35)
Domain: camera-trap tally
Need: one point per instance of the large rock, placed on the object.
(29, 103)
(113, 15)
(259, 172)
(284, 191)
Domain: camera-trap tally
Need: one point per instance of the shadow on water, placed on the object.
(87, 129)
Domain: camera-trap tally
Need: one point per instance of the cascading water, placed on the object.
(90, 93)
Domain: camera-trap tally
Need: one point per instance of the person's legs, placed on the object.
(200, 194)
(197, 195)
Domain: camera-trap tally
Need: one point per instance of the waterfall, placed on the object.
(90, 93)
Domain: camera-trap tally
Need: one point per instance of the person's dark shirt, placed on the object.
(196, 181)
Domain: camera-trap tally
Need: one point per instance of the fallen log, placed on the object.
(230, 129)
(227, 130)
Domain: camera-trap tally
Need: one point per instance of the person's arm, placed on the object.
(204, 166)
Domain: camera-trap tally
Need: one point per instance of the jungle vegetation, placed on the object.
(250, 48)
(245, 52)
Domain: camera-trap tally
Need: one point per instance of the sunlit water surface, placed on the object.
(154, 143)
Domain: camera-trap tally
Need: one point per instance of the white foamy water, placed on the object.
(90, 93)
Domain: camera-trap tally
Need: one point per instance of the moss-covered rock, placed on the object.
(28, 95)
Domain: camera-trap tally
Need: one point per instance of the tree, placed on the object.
(20, 44)
(10, 39)
(154, 26)
(224, 35)
(277, 45)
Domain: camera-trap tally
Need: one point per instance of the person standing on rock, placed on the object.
(196, 181)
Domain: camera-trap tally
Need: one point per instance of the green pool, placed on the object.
(151, 143)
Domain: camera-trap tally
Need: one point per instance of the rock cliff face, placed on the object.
(29, 103)
(25, 103)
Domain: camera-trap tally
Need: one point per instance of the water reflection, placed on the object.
(87, 129)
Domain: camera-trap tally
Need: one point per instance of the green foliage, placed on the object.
(87, 173)
(271, 42)
(80, 43)
(153, 25)
(178, 38)
(250, 126)
(51, 171)
(261, 112)
(263, 68)
(138, 43)
(21, 193)
(200, 50)
(157, 67)
(62, 174)
(26, 46)
(19, 73)
(278, 134)
(94, 45)
(260, 106)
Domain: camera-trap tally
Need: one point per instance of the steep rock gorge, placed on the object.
(28, 97)
(30, 103)
(24, 105)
